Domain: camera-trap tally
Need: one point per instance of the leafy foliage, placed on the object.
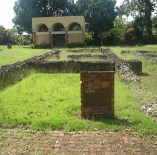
(100, 16)
(6, 36)
(141, 11)
(24, 40)
(25, 10)
(41, 46)
(130, 35)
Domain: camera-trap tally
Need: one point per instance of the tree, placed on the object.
(99, 14)
(141, 11)
(82, 6)
(26, 9)
(119, 27)
(154, 22)
(6, 36)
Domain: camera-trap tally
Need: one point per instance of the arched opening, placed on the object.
(75, 34)
(58, 27)
(58, 34)
(42, 28)
(75, 27)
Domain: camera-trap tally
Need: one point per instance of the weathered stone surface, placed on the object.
(149, 55)
(135, 65)
(90, 50)
(97, 94)
(81, 56)
(150, 109)
(122, 67)
(10, 74)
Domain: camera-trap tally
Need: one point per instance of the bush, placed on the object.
(88, 38)
(73, 45)
(41, 46)
(130, 35)
(24, 39)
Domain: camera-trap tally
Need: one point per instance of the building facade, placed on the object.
(58, 30)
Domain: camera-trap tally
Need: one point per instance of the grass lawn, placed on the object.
(17, 53)
(64, 55)
(53, 101)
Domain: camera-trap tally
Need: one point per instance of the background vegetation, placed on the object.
(133, 22)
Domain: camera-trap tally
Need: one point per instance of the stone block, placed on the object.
(97, 94)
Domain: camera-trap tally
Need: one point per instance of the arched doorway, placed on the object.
(58, 35)
(42, 28)
(75, 27)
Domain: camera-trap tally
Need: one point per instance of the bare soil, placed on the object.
(28, 142)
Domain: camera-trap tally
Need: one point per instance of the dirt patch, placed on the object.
(18, 141)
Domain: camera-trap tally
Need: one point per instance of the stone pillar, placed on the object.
(97, 94)
(66, 37)
(82, 36)
(50, 39)
(34, 38)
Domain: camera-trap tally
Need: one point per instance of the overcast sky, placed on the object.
(7, 12)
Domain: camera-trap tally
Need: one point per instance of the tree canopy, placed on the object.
(26, 9)
(6, 36)
(100, 16)
(141, 11)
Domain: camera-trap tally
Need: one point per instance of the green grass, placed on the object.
(17, 53)
(64, 53)
(118, 49)
(53, 101)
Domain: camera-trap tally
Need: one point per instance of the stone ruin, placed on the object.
(128, 70)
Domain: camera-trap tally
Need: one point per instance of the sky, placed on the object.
(7, 12)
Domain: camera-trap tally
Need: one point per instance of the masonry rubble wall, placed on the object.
(10, 74)
(127, 69)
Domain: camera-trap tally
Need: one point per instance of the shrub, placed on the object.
(130, 35)
(41, 46)
(73, 45)
(88, 38)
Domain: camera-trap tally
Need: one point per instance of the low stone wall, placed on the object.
(127, 70)
(73, 66)
(135, 65)
(141, 53)
(10, 74)
(150, 109)
(90, 50)
(13, 73)
(149, 55)
(84, 56)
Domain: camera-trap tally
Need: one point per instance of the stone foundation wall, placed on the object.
(84, 56)
(90, 50)
(73, 66)
(127, 69)
(135, 65)
(13, 73)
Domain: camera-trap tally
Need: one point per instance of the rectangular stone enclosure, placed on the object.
(97, 94)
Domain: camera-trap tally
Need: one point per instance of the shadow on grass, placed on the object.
(144, 74)
(118, 122)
